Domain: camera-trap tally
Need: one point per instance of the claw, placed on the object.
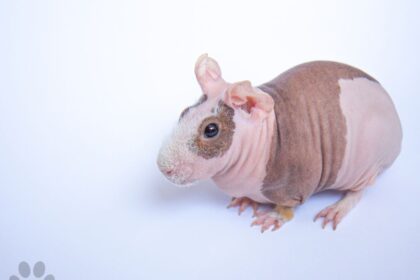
(320, 214)
(243, 203)
(233, 203)
(267, 224)
(338, 210)
(243, 206)
(332, 214)
(259, 220)
(273, 219)
(276, 226)
(254, 209)
(268, 219)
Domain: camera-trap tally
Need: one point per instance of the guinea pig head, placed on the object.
(210, 134)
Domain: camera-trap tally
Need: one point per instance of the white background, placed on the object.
(88, 91)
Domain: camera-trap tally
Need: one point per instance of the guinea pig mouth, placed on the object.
(180, 176)
(180, 181)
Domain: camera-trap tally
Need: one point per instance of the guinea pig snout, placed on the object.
(178, 173)
(167, 171)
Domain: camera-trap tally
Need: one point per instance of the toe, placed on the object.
(233, 203)
(267, 224)
(254, 208)
(337, 220)
(258, 221)
(322, 213)
(244, 204)
(277, 225)
(331, 216)
(324, 222)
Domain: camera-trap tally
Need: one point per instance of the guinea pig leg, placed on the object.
(275, 218)
(243, 203)
(336, 212)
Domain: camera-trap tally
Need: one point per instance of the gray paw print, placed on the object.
(38, 271)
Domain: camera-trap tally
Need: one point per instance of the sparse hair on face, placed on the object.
(198, 147)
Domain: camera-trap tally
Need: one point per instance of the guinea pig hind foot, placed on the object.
(336, 212)
(274, 218)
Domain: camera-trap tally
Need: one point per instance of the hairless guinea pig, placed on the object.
(318, 126)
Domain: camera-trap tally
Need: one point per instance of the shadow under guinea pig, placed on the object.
(202, 192)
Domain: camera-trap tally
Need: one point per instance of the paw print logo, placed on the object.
(38, 271)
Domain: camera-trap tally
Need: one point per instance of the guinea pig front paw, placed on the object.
(274, 218)
(243, 203)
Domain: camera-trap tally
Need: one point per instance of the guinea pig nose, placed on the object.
(168, 172)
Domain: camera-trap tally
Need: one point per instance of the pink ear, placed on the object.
(209, 75)
(251, 100)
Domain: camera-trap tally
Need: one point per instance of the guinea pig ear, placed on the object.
(209, 75)
(252, 101)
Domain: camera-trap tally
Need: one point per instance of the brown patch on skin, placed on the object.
(200, 101)
(216, 146)
(309, 140)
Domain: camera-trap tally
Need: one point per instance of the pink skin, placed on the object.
(182, 166)
(240, 171)
(374, 150)
(176, 161)
(369, 150)
(256, 126)
(245, 170)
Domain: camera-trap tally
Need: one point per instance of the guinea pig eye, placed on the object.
(211, 130)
